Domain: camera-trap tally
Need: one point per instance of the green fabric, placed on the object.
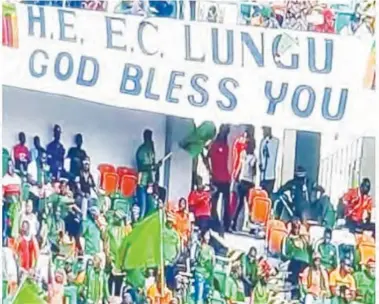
(145, 163)
(116, 236)
(204, 261)
(29, 293)
(328, 254)
(14, 213)
(296, 253)
(142, 247)
(171, 244)
(43, 175)
(136, 277)
(195, 142)
(96, 287)
(6, 155)
(220, 277)
(249, 269)
(92, 237)
(365, 287)
(54, 225)
(260, 294)
(234, 290)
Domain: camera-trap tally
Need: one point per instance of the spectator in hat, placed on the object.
(315, 281)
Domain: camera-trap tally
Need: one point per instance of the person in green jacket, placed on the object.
(204, 266)
(171, 249)
(327, 251)
(95, 283)
(297, 250)
(365, 280)
(249, 265)
(146, 166)
(91, 233)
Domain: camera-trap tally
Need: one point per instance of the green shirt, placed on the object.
(96, 286)
(145, 163)
(171, 244)
(205, 261)
(365, 287)
(234, 290)
(250, 269)
(292, 251)
(260, 294)
(54, 225)
(328, 254)
(92, 237)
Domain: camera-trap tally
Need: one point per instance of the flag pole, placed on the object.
(161, 245)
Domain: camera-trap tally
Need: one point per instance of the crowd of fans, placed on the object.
(357, 18)
(64, 231)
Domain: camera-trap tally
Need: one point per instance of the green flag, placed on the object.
(195, 142)
(142, 247)
(29, 293)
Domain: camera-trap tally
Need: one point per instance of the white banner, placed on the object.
(234, 74)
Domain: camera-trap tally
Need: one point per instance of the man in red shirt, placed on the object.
(358, 205)
(21, 153)
(27, 248)
(218, 154)
(199, 202)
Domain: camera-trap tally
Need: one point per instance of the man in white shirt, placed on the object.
(268, 154)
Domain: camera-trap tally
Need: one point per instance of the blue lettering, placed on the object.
(63, 25)
(57, 67)
(150, 80)
(275, 53)
(222, 86)
(199, 89)
(311, 101)
(135, 79)
(273, 101)
(312, 56)
(172, 85)
(187, 39)
(141, 28)
(229, 48)
(110, 32)
(341, 106)
(32, 70)
(82, 67)
(32, 19)
(257, 55)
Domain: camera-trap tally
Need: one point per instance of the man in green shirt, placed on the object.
(328, 251)
(249, 270)
(204, 266)
(171, 249)
(365, 280)
(146, 166)
(91, 233)
(6, 157)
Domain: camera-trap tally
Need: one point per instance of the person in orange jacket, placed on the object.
(358, 205)
(182, 224)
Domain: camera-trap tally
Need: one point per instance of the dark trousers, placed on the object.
(115, 281)
(268, 186)
(224, 189)
(295, 267)
(243, 193)
(203, 222)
